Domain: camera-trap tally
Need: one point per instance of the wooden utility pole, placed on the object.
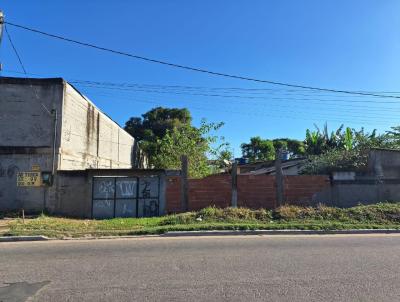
(184, 184)
(279, 178)
(234, 185)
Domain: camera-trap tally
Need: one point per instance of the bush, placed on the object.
(234, 214)
(380, 212)
(336, 160)
(263, 215)
(321, 212)
(182, 218)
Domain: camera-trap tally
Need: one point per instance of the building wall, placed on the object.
(24, 117)
(73, 197)
(90, 139)
(86, 138)
(32, 199)
(26, 138)
(74, 190)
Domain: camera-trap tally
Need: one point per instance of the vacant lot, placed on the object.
(379, 216)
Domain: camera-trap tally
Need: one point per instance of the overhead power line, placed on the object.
(127, 88)
(15, 49)
(255, 91)
(200, 70)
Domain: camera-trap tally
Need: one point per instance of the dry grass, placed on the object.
(382, 215)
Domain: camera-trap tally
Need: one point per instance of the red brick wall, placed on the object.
(212, 190)
(173, 194)
(254, 191)
(300, 189)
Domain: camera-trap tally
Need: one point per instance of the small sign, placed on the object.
(35, 168)
(28, 179)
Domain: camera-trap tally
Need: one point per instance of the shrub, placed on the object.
(182, 218)
(234, 214)
(290, 212)
(263, 215)
(211, 213)
(380, 212)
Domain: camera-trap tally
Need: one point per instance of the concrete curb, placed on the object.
(281, 232)
(23, 238)
(212, 233)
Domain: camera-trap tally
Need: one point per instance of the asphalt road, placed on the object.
(245, 268)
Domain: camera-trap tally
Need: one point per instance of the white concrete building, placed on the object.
(47, 125)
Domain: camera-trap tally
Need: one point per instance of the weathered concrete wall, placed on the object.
(86, 138)
(90, 139)
(24, 120)
(72, 195)
(26, 138)
(32, 199)
(73, 190)
(384, 163)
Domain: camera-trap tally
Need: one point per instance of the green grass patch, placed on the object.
(378, 216)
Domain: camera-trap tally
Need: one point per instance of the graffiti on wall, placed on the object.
(125, 197)
(9, 171)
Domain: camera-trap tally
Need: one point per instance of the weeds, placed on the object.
(321, 217)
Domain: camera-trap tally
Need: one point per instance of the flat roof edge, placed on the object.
(32, 81)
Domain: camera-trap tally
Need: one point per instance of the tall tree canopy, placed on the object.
(165, 134)
(155, 123)
(264, 149)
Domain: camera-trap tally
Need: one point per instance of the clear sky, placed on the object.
(343, 44)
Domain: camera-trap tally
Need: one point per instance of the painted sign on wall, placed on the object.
(28, 179)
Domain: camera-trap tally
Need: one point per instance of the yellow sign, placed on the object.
(28, 179)
(35, 168)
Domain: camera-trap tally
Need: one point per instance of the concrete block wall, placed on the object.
(31, 199)
(90, 139)
(25, 105)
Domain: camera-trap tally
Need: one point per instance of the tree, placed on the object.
(264, 149)
(196, 143)
(293, 146)
(258, 149)
(344, 149)
(154, 124)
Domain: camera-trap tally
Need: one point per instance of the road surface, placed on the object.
(235, 268)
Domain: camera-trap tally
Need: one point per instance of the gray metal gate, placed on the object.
(125, 196)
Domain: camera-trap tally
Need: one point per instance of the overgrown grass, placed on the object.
(378, 216)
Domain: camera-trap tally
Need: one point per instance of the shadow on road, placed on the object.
(20, 291)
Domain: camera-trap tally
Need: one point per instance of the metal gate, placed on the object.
(125, 196)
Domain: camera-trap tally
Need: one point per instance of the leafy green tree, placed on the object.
(154, 124)
(264, 149)
(258, 149)
(196, 143)
(293, 146)
(345, 149)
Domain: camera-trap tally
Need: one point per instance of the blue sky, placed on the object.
(340, 44)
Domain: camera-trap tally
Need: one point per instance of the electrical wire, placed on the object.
(15, 49)
(200, 70)
(232, 96)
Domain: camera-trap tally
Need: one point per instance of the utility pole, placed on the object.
(184, 184)
(234, 185)
(279, 178)
(1, 33)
